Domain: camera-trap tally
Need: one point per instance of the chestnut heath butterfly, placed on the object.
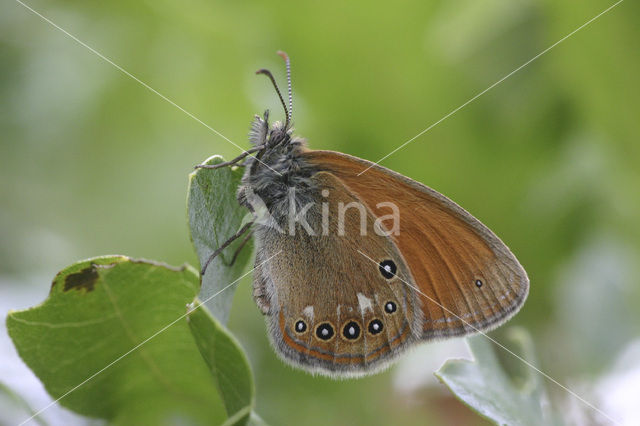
(353, 268)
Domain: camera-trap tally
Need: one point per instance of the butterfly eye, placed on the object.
(301, 326)
(351, 330)
(388, 269)
(324, 331)
(478, 283)
(375, 327)
(390, 307)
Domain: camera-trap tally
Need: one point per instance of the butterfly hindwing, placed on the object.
(329, 308)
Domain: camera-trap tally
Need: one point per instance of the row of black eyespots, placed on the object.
(351, 330)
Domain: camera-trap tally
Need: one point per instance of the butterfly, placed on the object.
(352, 268)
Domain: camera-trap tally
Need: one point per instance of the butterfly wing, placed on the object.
(328, 308)
(467, 278)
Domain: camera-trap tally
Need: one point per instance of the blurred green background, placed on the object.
(93, 163)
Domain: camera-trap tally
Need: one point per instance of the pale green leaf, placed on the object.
(508, 392)
(214, 216)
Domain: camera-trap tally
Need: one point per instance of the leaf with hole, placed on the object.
(112, 341)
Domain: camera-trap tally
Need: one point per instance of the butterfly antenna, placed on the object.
(275, 85)
(288, 64)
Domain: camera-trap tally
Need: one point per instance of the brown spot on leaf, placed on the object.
(84, 279)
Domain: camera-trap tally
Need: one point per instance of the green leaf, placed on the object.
(214, 216)
(124, 319)
(226, 361)
(509, 396)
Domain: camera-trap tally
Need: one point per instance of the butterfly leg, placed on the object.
(260, 292)
(219, 250)
(240, 247)
(230, 162)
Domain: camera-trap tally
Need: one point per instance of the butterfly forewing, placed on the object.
(466, 277)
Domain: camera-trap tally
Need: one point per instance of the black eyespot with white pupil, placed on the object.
(324, 331)
(478, 283)
(351, 330)
(388, 269)
(375, 326)
(301, 326)
(390, 307)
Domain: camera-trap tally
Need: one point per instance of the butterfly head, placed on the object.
(278, 166)
(267, 136)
